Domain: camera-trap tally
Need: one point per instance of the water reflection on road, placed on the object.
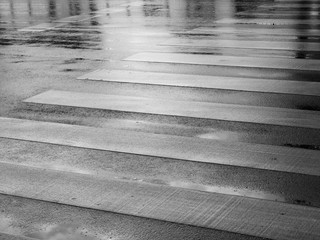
(116, 24)
(32, 11)
(229, 190)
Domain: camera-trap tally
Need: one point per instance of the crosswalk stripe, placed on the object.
(257, 31)
(218, 211)
(43, 155)
(298, 1)
(42, 27)
(205, 110)
(175, 147)
(202, 81)
(228, 61)
(280, 14)
(269, 21)
(288, 5)
(214, 43)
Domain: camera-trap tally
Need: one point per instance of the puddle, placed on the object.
(35, 17)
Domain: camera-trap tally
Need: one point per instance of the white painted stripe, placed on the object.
(254, 217)
(75, 18)
(303, 3)
(133, 4)
(230, 61)
(291, 5)
(300, 1)
(279, 14)
(42, 27)
(202, 81)
(257, 31)
(206, 110)
(176, 147)
(98, 166)
(269, 21)
(6, 236)
(216, 43)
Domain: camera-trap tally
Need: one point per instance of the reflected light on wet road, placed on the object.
(229, 190)
(111, 25)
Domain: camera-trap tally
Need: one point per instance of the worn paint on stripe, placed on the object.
(228, 61)
(254, 217)
(168, 146)
(202, 81)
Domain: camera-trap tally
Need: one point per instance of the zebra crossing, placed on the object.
(257, 31)
(218, 211)
(292, 46)
(228, 112)
(173, 147)
(267, 215)
(227, 61)
(205, 81)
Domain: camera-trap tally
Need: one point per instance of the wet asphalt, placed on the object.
(47, 45)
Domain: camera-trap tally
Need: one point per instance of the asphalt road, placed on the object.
(258, 60)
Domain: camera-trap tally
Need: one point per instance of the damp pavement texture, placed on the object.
(159, 119)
